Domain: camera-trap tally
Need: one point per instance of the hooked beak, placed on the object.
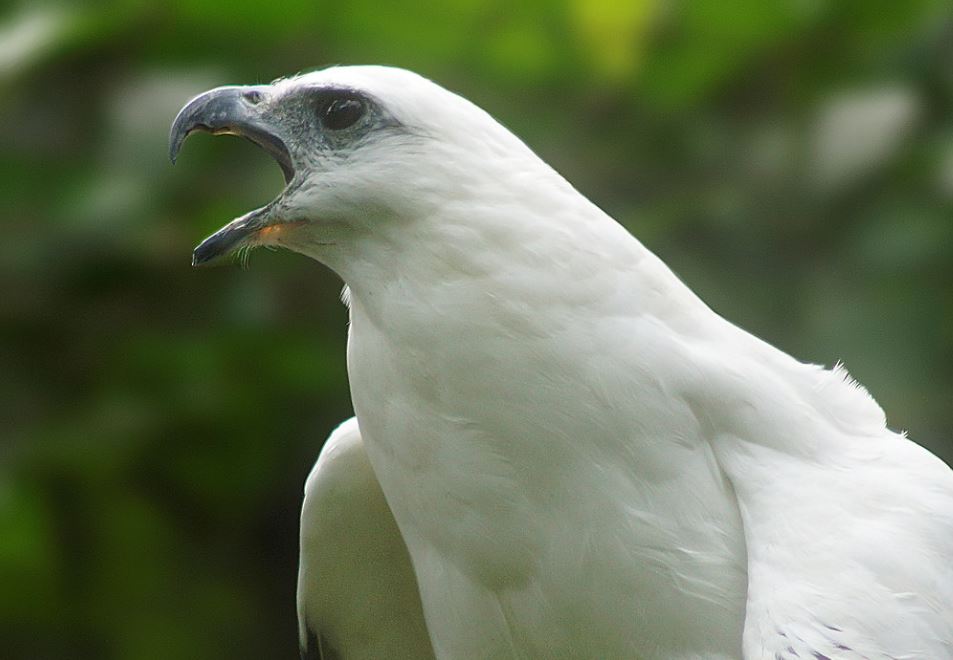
(232, 111)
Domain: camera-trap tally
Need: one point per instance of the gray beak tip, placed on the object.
(228, 110)
(184, 124)
(227, 239)
(206, 252)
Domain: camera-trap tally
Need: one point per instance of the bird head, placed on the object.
(370, 155)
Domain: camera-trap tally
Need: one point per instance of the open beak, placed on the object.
(232, 111)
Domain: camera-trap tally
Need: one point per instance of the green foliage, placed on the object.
(793, 161)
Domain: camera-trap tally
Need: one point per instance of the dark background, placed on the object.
(791, 160)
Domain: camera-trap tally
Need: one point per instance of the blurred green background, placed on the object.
(791, 160)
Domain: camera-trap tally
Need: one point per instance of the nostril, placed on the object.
(252, 96)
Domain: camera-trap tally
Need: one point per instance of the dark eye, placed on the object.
(341, 113)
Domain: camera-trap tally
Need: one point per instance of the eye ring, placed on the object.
(342, 112)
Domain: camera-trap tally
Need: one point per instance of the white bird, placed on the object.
(582, 459)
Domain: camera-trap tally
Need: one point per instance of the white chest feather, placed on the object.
(551, 508)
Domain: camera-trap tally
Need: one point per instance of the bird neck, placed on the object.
(526, 237)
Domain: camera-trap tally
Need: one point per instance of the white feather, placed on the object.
(357, 595)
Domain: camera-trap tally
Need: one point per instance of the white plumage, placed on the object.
(583, 460)
(355, 579)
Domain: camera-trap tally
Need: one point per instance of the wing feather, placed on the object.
(357, 593)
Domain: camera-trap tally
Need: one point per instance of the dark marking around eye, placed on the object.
(340, 113)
